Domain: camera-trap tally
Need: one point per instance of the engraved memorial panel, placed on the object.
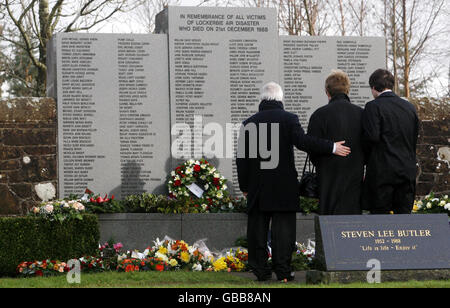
(305, 63)
(219, 60)
(113, 106)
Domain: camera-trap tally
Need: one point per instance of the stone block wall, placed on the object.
(433, 148)
(28, 130)
(27, 151)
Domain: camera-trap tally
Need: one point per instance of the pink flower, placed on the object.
(118, 246)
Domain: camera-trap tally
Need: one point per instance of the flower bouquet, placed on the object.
(201, 183)
(59, 210)
(180, 256)
(42, 268)
(432, 205)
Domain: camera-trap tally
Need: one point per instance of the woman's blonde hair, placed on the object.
(337, 83)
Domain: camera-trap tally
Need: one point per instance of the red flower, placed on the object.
(39, 273)
(197, 168)
(216, 181)
(177, 183)
(159, 267)
(99, 200)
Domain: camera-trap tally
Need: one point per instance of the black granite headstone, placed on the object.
(398, 242)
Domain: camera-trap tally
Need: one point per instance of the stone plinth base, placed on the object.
(318, 277)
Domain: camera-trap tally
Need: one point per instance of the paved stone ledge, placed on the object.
(138, 231)
(318, 277)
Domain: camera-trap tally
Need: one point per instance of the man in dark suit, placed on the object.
(340, 178)
(267, 176)
(391, 127)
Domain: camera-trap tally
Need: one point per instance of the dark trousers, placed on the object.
(398, 198)
(283, 231)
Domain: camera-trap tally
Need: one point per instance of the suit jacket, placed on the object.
(391, 126)
(340, 178)
(275, 190)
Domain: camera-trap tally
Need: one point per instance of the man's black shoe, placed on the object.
(264, 278)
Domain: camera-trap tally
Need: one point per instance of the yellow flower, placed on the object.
(220, 265)
(173, 262)
(162, 250)
(185, 257)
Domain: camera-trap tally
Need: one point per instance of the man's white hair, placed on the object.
(272, 91)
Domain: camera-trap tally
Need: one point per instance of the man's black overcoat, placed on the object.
(391, 126)
(340, 178)
(276, 190)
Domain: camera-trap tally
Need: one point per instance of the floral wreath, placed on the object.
(205, 176)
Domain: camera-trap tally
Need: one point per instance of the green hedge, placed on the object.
(30, 238)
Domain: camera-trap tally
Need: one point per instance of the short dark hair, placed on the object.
(381, 80)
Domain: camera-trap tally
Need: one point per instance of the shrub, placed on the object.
(37, 238)
(150, 203)
(309, 206)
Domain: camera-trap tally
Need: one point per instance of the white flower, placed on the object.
(204, 206)
(206, 186)
(429, 206)
(442, 203)
(48, 208)
(161, 256)
(197, 267)
(435, 199)
(189, 170)
(219, 194)
(203, 166)
(446, 197)
(172, 173)
(224, 187)
(191, 162)
(447, 207)
(420, 203)
(216, 175)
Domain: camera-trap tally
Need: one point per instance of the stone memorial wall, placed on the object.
(125, 101)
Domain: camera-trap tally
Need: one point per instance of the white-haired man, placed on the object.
(272, 193)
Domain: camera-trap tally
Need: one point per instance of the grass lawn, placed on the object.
(183, 280)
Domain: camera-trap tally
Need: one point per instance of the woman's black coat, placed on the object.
(340, 178)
